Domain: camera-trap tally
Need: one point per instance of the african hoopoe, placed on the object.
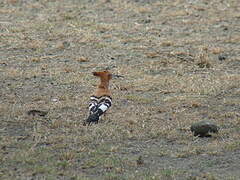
(101, 100)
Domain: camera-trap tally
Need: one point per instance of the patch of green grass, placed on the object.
(233, 146)
(63, 164)
(139, 99)
(168, 173)
(41, 169)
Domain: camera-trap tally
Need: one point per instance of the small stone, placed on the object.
(221, 57)
(54, 100)
(203, 128)
(82, 59)
(62, 45)
(146, 21)
(225, 28)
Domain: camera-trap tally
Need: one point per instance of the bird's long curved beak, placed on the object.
(117, 76)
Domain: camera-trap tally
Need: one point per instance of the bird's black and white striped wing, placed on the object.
(99, 104)
(97, 107)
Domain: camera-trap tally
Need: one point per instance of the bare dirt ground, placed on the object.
(181, 62)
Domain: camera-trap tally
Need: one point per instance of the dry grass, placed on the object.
(169, 54)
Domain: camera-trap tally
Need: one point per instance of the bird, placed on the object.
(101, 100)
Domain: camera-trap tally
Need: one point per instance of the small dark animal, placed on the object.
(203, 128)
(36, 112)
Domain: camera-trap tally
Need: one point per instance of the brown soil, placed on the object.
(180, 61)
